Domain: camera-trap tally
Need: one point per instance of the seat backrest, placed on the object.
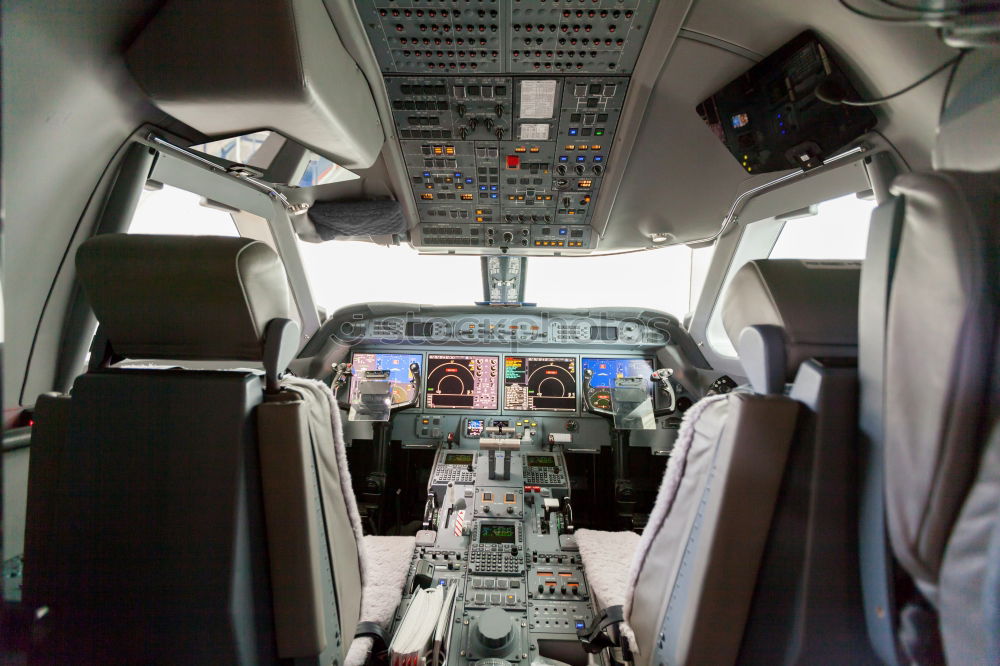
(156, 493)
(942, 390)
(696, 567)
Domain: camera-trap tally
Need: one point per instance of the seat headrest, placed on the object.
(184, 297)
(781, 312)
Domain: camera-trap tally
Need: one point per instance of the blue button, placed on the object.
(493, 188)
(581, 158)
(493, 196)
(458, 175)
(562, 232)
(573, 131)
(580, 624)
(598, 158)
(482, 187)
(468, 180)
(563, 158)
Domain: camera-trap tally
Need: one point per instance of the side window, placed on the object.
(173, 211)
(837, 230)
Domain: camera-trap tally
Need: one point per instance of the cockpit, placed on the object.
(501, 333)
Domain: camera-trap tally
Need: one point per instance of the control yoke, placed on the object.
(343, 371)
(661, 378)
(374, 404)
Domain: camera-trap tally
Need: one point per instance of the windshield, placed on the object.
(342, 273)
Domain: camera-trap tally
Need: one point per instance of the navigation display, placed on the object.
(398, 367)
(496, 533)
(462, 382)
(539, 383)
(606, 370)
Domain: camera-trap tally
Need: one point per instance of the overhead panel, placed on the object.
(506, 112)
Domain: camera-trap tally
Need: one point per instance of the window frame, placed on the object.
(765, 208)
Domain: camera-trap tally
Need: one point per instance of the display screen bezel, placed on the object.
(574, 358)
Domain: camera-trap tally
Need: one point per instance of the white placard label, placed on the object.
(538, 98)
(534, 132)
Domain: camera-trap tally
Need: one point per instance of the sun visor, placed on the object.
(228, 68)
(340, 219)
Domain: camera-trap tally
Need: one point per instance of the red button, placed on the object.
(513, 161)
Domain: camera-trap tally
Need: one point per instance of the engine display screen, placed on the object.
(541, 461)
(496, 533)
(473, 427)
(458, 459)
(462, 382)
(533, 383)
(398, 367)
(606, 370)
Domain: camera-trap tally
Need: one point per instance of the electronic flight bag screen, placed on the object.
(539, 383)
(496, 533)
(462, 382)
(398, 366)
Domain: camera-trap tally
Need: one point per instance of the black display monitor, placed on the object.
(770, 117)
(539, 383)
(455, 381)
(496, 533)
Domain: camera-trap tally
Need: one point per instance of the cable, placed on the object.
(830, 92)
(907, 20)
(955, 10)
(947, 85)
(921, 16)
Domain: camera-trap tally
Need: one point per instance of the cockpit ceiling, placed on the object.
(548, 127)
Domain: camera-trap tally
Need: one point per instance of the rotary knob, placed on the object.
(494, 630)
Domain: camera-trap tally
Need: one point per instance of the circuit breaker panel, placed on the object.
(506, 111)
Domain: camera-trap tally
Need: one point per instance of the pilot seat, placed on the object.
(747, 555)
(182, 515)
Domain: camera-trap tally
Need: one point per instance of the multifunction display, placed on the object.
(398, 367)
(496, 533)
(462, 382)
(458, 459)
(541, 461)
(607, 370)
(539, 383)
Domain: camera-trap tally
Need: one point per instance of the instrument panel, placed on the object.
(508, 383)
(506, 112)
